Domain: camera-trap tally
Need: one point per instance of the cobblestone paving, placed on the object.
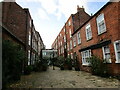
(65, 79)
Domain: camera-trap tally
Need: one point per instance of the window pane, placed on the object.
(119, 55)
(107, 56)
(106, 49)
(118, 46)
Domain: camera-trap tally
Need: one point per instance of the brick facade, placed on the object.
(98, 41)
(20, 24)
(93, 40)
(63, 43)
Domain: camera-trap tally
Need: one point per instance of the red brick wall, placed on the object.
(14, 18)
(80, 18)
(112, 33)
(7, 36)
(76, 20)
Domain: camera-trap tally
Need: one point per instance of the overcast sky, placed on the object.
(49, 16)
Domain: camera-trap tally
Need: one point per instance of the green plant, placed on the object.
(12, 61)
(41, 65)
(44, 64)
(68, 63)
(98, 67)
(76, 65)
(60, 61)
(28, 69)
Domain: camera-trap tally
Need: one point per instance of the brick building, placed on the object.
(63, 43)
(19, 23)
(99, 36)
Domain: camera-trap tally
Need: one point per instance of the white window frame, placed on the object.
(61, 43)
(29, 39)
(79, 38)
(116, 51)
(88, 32)
(28, 57)
(64, 38)
(64, 29)
(70, 33)
(100, 19)
(68, 48)
(70, 44)
(59, 51)
(71, 55)
(74, 41)
(69, 23)
(104, 54)
(84, 56)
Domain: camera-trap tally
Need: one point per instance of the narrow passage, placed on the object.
(64, 79)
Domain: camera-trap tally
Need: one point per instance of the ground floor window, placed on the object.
(28, 57)
(85, 54)
(117, 50)
(106, 54)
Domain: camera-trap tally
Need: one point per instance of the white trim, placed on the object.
(78, 38)
(99, 21)
(87, 30)
(84, 62)
(74, 41)
(117, 61)
(103, 49)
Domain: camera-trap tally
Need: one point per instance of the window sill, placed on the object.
(74, 46)
(117, 62)
(101, 33)
(89, 39)
(86, 64)
(79, 44)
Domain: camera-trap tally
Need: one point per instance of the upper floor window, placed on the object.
(69, 23)
(29, 39)
(117, 50)
(56, 46)
(106, 54)
(101, 24)
(68, 46)
(88, 32)
(64, 29)
(74, 41)
(70, 33)
(71, 44)
(63, 49)
(61, 43)
(64, 38)
(60, 35)
(78, 38)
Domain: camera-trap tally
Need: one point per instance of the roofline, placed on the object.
(12, 34)
(92, 17)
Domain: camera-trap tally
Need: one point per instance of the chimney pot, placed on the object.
(79, 9)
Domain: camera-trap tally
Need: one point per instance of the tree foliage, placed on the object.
(12, 59)
(98, 66)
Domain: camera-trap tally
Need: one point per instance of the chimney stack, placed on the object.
(79, 9)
